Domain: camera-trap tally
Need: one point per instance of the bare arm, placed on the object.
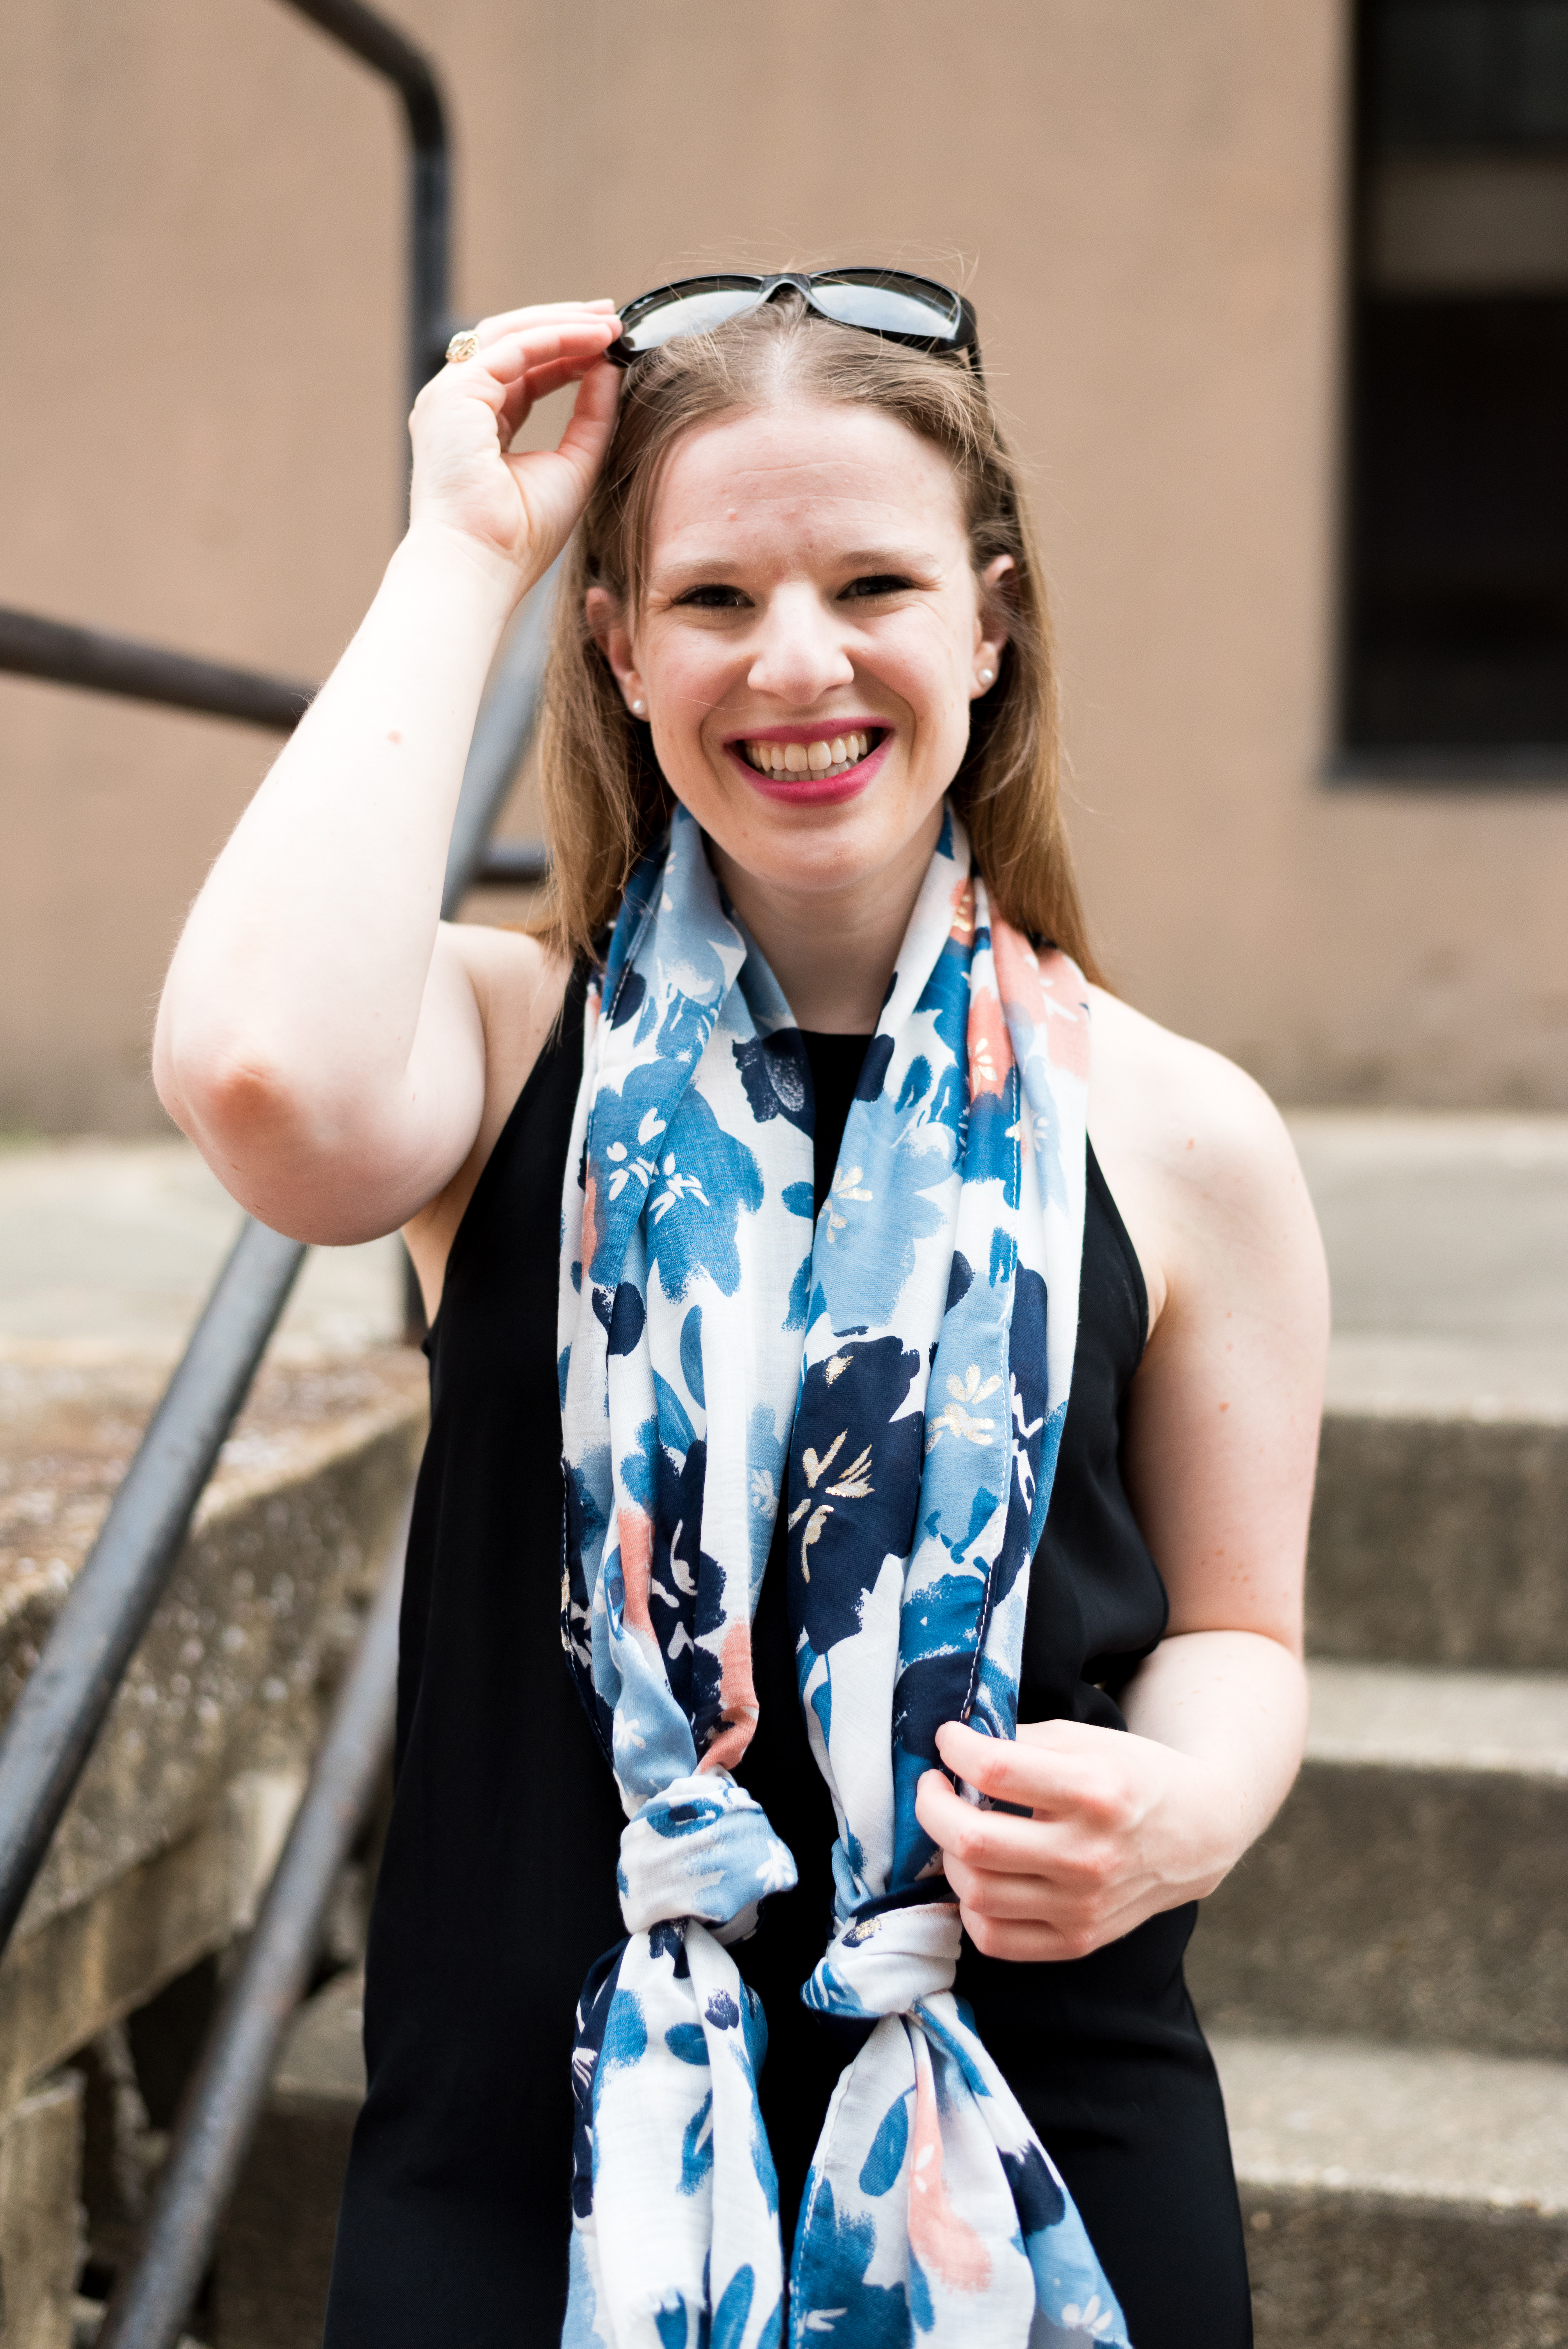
(321, 1038)
(1220, 1442)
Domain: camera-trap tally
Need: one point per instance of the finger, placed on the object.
(534, 314)
(526, 349)
(985, 1839)
(593, 420)
(1022, 1944)
(1038, 1776)
(539, 382)
(1024, 1897)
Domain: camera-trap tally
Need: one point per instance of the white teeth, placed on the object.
(833, 757)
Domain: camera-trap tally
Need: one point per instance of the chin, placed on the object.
(820, 845)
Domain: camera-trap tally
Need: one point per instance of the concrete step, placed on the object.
(1414, 1888)
(1439, 1524)
(1398, 2199)
(1440, 1529)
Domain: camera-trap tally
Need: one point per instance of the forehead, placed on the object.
(808, 473)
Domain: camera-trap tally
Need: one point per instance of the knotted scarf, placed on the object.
(894, 1375)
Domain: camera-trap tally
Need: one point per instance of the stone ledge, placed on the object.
(87, 1966)
(40, 2217)
(262, 1603)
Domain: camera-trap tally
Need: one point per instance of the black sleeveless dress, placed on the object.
(497, 1887)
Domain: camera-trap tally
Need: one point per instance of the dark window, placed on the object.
(1457, 635)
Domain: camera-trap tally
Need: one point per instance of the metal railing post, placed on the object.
(389, 53)
(224, 2101)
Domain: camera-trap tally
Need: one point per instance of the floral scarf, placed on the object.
(894, 1375)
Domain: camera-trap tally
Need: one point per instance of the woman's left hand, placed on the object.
(1122, 1827)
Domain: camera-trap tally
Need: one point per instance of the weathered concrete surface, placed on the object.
(1333, 2269)
(262, 1600)
(274, 2253)
(40, 2218)
(105, 1259)
(86, 1965)
(1413, 1887)
(1400, 2198)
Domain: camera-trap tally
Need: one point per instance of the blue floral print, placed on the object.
(893, 1377)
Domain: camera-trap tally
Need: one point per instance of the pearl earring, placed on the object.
(987, 675)
(639, 709)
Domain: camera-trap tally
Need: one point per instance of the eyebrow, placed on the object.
(690, 570)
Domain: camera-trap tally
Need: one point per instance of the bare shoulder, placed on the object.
(1195, 1154)
(519, 985)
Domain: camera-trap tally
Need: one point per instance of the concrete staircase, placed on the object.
(1386, 1977)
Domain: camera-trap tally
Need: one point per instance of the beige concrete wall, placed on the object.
(199, 246)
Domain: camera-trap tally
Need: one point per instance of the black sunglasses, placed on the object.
(914, 311)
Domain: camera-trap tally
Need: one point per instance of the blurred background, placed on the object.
(1274, 294)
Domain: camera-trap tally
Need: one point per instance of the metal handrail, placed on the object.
(45, 1743)
(224, 2101)
(56, 1721)
(57, 1715)
(390, 53)
(95, 661)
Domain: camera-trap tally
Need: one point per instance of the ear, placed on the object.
(607, 626)
(990, 628)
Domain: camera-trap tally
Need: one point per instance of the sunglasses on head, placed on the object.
(914, 311)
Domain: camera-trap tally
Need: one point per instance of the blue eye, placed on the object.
(877, 583)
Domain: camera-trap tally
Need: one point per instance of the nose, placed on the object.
(798, 648)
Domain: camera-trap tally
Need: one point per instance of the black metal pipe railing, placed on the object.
(56, 1721)
(221, 2104)
(95, 661)
(391, 54)
(56, 1718)
(45, 1743)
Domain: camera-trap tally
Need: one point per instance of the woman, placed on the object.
(865, 1623)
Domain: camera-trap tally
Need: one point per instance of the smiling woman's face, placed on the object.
(811, 638)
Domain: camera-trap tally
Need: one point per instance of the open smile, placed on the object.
(806, 763)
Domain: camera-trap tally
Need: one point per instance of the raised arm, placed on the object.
(321, 1037)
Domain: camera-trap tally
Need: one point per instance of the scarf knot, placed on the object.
(703, 1850)
(887, 1962)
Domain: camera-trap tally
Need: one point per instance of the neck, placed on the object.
(832, 950)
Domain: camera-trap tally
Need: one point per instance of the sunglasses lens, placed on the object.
(890, 306)
(696, 311)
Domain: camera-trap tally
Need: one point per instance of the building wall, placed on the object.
(200, 262)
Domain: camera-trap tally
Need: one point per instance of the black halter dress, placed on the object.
(497, 1887)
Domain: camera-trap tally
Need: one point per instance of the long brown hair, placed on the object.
(604, 798)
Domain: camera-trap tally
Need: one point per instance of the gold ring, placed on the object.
(462, 347)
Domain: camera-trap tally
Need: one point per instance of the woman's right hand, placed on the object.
(517, 510)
